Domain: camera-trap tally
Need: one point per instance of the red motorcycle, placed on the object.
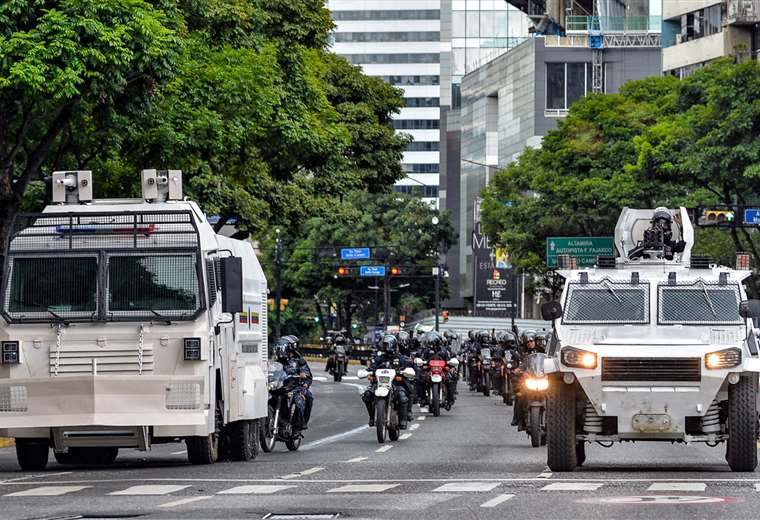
(436, 389)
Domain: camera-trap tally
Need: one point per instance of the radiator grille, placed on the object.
(651, 369)
(120, 358)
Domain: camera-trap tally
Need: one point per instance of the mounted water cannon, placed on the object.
(161, 185)
(72, 187)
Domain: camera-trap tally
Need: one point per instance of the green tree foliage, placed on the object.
(660, 141)
(398, 227)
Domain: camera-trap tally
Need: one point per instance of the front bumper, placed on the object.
(109, 400)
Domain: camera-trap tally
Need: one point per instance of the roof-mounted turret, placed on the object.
(661, 235)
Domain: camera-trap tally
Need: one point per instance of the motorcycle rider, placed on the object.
(388, 354)
(433, 348)
(338, 346)
(293, 363)
(528, 346)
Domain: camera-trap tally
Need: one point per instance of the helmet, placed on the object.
(528, 337)
(662, 214)
(388, 344)
(471, 335)
(403, 336)
(339, 339)
(484, 336)
(286, 347)
(432, 340)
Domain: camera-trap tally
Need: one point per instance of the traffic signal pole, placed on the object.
(437, 296)
(386, 299)
(278, 284)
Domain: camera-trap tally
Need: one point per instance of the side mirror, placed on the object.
(362, 374)
(418, 361)
(550, 311)
(232, 284)
(749, 309)
(408, 373)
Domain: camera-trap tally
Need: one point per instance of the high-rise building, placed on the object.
(699, 31)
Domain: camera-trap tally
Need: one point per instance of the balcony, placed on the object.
(743, 12)
(615, 24)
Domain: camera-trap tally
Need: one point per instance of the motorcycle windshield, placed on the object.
(276, 372)
(485, 353)
(340, 350)
(534, 364)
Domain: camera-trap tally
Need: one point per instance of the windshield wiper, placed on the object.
(58, 317)
(607, 286)
(162, 317)
(709, 302)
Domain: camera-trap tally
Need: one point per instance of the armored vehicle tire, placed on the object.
(580, 452)
(244, 440)
(293, 444)
(32, 454)
(534, 426)
(95, 456)
(741, 449)
(203, 450)
(266, 432)
(561, 447)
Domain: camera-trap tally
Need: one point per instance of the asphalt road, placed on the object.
(465, 464)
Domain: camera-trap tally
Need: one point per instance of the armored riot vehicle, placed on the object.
(127, 323)
(654, 344)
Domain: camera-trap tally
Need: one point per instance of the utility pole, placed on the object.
(437, 295)
(278, 283)
(386, 298)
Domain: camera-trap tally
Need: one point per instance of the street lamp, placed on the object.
(278, 282)
(437, 273)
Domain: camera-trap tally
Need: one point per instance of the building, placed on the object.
(694, 32)
(512, 101)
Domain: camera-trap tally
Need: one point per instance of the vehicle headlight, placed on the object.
(537, 384)
(728, 358)
(575, 357)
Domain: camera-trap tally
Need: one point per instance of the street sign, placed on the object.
(354, 253)
(752, 216)
(372, 270)
(584, 249)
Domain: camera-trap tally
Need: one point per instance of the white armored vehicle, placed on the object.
(128, 323)
(653, 344)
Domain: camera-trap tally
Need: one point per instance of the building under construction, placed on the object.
(512, 101)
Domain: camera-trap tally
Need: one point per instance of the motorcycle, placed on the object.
(387, 411)
(484, 371)
(435, 389)
(535, 385)
(507, 391)
(281, 410)
(339, 365)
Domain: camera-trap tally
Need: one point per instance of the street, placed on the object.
(467, 463)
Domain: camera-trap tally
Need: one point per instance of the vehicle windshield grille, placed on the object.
(51, 289)
(699, 303)
(148, 284)
(607, 302)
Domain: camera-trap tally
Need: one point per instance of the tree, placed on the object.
(68, 60)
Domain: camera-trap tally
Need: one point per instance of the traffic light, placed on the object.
(395, 271)
(342, 271)
(717, 217)
(445, 315)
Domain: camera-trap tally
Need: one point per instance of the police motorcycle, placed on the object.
(387, 399)
(286, 386)
(507, 341)
(483, 364)
(339, 358)
(533, 390)
(439, 373)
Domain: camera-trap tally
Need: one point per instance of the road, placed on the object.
(465, 464)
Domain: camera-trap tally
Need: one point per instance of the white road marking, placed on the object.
(363, 488)
(27, 477)
(311, 471)
(351, 378)
(466, 487)
(357, 459)
(414, 426)
(497, 500)
(47, 491)
(421, 418)
(757, 487)
(545, 474)
(321, 379)
(185, 501)
(359, 388)
(677, 486)
(333, 438)
(423, 409)
(573, 486)
(290, 476)
(384, 448)
(183, 452)
(254, 490)
(405, 436)
(150, 489)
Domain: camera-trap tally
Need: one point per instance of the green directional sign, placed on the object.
(584, 249)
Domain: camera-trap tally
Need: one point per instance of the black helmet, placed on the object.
(403, 336)
(286, 347)
(484, 336)
(432, 340)
(388, 344)
(471, 335)
(662, 214)
(339, 339)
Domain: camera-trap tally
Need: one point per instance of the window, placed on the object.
(555, 86)
(413, 36)
(418, 14)
(699, 303)
(576, 82)
(458, 24)
(428, 192)
(393, 58)
(166, 285)
(411, 80)
(416, 124)
(421, 168)
(607, 302)
(422, 102)
(423, 146)
(46, 288)
(566, 83)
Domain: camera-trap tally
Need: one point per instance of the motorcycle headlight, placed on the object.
(537, 384)
(727, 358)
(577, 358)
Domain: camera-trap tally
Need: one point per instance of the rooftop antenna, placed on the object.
(72, 187)
(161, 185)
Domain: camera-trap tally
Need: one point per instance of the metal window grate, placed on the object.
(183, 396)
(13, 398)
(698, 303)
(607, 302)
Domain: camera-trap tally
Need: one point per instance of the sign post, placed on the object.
(584, 249)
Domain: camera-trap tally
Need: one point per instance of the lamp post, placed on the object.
(437, 274)
(278, 283)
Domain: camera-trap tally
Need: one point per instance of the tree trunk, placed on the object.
(349, 316)
(9, 204)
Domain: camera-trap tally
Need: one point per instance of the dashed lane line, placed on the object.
(333, 438)
(185, 501)
(254, 490)
(356, 459)
(305, 472)
(47, 491)
(363, 488)
(384, 448)
(414, 426)
(573, 486)
(678, 486)
(149, 489)
(405, 436)
(497, 500)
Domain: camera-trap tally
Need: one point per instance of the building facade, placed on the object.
(695, 32)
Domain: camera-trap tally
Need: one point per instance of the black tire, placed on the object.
(534, 426)
(203, 450)
(435, 399)
(486, 384)
(32, 454)
(294, 444)
(561, 447)
(580, 451)
(336, 376)
(741, 450)
(244, 440)
(380, 420)
(394, 432)
(507, 392)
(266, 432)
